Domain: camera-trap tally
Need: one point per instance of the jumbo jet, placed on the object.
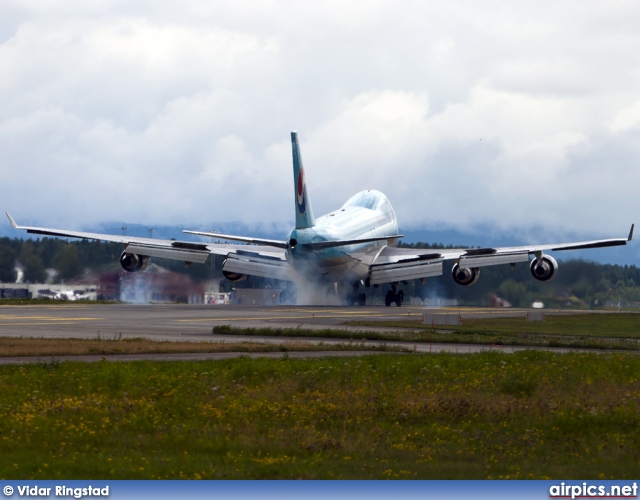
(353, 245)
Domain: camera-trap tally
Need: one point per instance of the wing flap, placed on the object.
(173, 252)
(254, 264)
(493, 260)
(405, 270)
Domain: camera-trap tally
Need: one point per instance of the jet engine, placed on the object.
(545, 268)
(231, 276)
(465, 276)
(133, 262)
(234, 276)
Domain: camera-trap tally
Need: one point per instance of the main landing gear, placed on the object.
(394, 296)
(355, 298)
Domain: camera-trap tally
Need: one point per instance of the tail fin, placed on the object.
(304, 214)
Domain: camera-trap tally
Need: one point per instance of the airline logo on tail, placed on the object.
(301, 192)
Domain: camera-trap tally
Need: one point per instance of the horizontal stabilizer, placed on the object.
(254, 241)
(321, 245)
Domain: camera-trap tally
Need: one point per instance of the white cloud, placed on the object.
(626, 118)
(463, 113)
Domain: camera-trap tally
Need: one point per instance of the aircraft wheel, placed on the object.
(362, 299)
(399, 298)
(389, 298)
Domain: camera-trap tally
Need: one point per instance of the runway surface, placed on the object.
(194, 322)
(175, 322)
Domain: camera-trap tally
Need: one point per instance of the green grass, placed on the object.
(487, 415)
(29, 346)
(610, 325)
(597, 331)
(587, 331)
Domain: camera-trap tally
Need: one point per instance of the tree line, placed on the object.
(68, 259)
(578, 283)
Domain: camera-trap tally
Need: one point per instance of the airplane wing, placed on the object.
(397, 264)
(267, 258)
(264, 258)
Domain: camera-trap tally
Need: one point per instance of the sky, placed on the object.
(519, 116)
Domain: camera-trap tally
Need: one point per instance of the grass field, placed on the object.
(487, 415)
(29, 346)
(620, 331)
(610, 325)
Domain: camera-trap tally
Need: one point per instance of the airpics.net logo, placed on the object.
(586, 490)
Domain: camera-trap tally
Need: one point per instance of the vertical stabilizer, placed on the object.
(304, 214)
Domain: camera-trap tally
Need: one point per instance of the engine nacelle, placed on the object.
(545, 268)
(133, 262)
(234, 276)
(465, 276)
(231, 276)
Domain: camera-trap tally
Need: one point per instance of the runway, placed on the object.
(194, 322)
(175, 322)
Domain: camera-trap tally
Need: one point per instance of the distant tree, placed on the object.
(604, 285)
(588, 281)
(29, 257)
(8, 272)
(34, 271)
(516, 293)
(67, 262)
(583, 290)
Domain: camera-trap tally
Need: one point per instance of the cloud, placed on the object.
(464, 114)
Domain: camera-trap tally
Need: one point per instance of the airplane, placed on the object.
(355, 244)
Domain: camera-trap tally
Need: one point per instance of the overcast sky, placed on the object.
(511, 114)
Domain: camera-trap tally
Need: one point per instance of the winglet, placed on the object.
(631, 233)
(13, 223)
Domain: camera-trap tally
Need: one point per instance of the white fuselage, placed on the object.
(367, 214)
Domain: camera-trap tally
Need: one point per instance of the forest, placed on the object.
(579, 284)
